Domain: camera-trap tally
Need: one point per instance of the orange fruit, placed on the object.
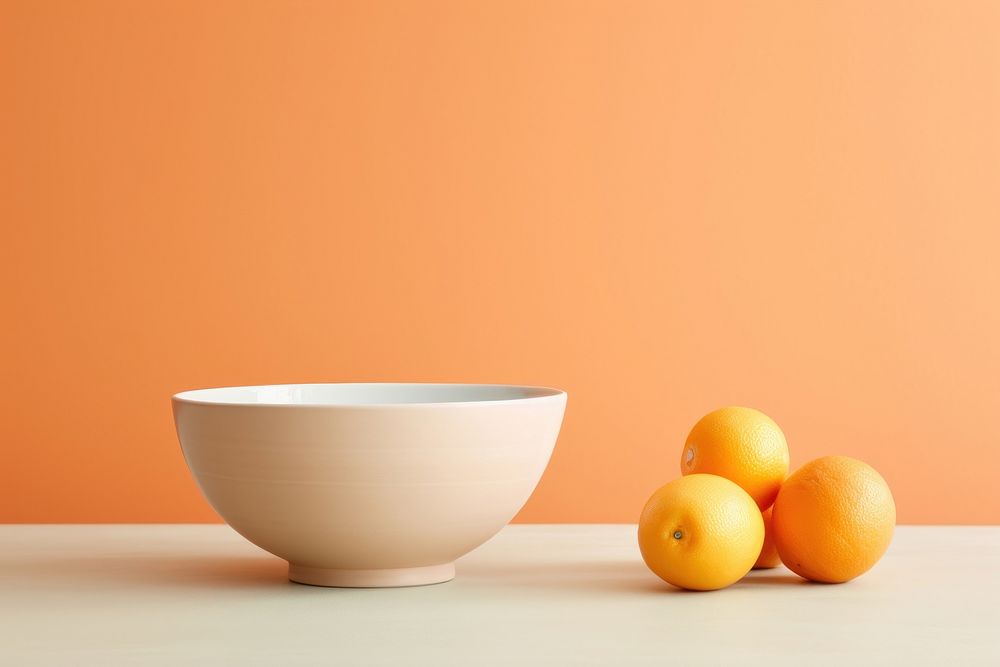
(768, 557)
(700, 532)
(833, 519)
(743, 445)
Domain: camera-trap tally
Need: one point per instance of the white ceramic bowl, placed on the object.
(368, 484)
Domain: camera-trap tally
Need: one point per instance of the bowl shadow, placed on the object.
(263, 571)
(168, 571)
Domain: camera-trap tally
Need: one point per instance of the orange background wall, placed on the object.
(662, 207)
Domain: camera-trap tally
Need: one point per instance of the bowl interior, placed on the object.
(363, 394)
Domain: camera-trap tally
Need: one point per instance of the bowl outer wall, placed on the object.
(368, 487)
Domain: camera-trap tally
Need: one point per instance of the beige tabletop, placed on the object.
(556, 594)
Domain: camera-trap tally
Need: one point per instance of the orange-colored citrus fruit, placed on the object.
(833, 519)
(743, 445)
(768, 557)
(701, 532)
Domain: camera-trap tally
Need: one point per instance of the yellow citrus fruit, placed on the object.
(743, 445)
(768, 557)
(833, 519)
(700, 532)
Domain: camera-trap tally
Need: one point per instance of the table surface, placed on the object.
(535, 594)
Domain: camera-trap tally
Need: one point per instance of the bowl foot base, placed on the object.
(404, 576)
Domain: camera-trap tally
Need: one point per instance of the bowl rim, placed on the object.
(541, 393)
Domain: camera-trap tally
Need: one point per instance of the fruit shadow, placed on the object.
(777, 576)
(617, 576)
(576, 576)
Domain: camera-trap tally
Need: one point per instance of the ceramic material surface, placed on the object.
(368, 485)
